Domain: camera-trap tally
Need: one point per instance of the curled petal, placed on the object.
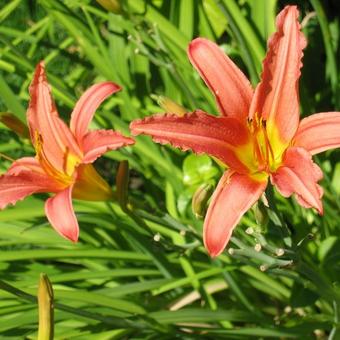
(234, 195)
(17, 185)
(25, 164)
(229, 85)
(96, 143)
(60, 213)
(220, 137)
(87, 105)
(319, 132)
(276, 98)
(299, 176)
(50, 136)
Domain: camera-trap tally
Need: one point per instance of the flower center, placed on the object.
(66, 177)
(265, 159)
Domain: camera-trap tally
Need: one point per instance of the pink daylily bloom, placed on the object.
(258, 136)
(62, 164)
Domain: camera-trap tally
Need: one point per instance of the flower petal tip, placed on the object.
(115, 87)
(214, 251)
(319, 207)
(215, 245)
(39, 73)
(73, 238)
(135, 127)
(194, 43)
(60, 214)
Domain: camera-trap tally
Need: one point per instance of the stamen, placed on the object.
(46, 164)
(269, 150)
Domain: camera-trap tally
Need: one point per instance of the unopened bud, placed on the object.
(263, 267)
(122, 183)
(157, 237)
(113, 6)
(261, 214)
(200, 199)
(287, 309)
(250, 231)
(46, 309)
(279, 252)
(15, 124)
(170, 106)
(258, 247)
(231, 251)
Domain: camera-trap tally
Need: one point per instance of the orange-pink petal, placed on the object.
(96, 143)
(319, 132)
(60, 213)
(87, 105)
(234, 195)
(25, 164)
(22, 183)
(202, 133)
(48, 132)
(276, 97)
(299, 175)
(229, 85)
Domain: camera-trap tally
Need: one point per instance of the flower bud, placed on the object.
(261, 214)
(113, 6)
(15, 124)
(122, 183)
(200, 199)
(46, 312)
(170, 106)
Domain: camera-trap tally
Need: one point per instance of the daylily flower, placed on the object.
(62, 164)
(258, 137)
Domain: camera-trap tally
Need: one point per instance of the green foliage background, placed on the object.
(147, 275)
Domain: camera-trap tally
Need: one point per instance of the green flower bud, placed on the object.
(261, 214)
(200, 199)
(122, 183)
(113, 6)
(15, 124)
(170, 106)
(46, 312)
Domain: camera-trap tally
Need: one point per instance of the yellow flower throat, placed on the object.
(262, 157)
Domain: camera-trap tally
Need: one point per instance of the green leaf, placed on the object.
(198, 169)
